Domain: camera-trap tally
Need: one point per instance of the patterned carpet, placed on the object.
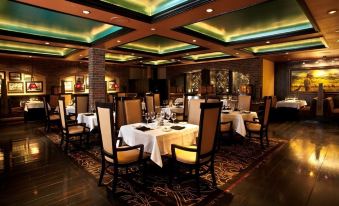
(231, 163)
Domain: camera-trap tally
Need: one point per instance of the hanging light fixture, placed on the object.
(32, 84)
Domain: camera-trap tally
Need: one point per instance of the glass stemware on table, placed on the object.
(173, 117)
(147, 117)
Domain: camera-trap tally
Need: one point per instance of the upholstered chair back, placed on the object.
(81, 104)
(119, 113)
(194, 111)
(53, 100)
(268, 102)
(149, 103)
(67, 98)
(157, 102)
(45, 107)
(106, 125)
(62, 112)
(132, 109)
(244, 102)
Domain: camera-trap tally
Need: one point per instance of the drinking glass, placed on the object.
(173, 117)
(147, 117)
(152, 115)
(162, 114)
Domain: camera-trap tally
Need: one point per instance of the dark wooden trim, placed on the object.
(308, 14)
(208, 59)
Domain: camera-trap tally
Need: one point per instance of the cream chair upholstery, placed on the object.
(260, 127)
(157, 102)
(118, 156)
(150, 103)
(67, 98)
(132, 111)
(81, 104)
(70, 130)
(244, 102)
(194, 111)
(201, 155)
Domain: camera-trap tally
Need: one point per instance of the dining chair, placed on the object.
(149, 103)
(226, 131)
(202, 154)
(70, 130)
(244, 102)
(132, 111)
(50, 117)
(119, 113)
(81, 106)
(260, 126)
(194, 111)
(67, 98)
(157, 107)
(53, 101)
(112, 151)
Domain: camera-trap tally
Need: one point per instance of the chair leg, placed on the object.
(261, 141)
(213, 175)
(267, 138)
(171, 172)
(115, 179)
(66, 146)
(197, 181)
(62, 139)
(102, 172)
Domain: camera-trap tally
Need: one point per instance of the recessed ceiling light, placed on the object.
(29, 56)
(194, 40)
(153, 29)
(209, 10)
(132, 54)
(337, 31)
(187, 53)
(317, 62)
(86, 12)
(267, 42)
(80, 55)
(47, 43)
(304, 63)
(118, 41)
(286, 52)
(237, 53)
(332, 12)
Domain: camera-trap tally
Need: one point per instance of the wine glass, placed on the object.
(173, 117)
(152, 116)
(147, 117)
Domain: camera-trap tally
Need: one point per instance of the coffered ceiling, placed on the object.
(158, 32)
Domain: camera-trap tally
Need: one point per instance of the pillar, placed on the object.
(96, 75)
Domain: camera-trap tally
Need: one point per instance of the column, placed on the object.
(96, 74)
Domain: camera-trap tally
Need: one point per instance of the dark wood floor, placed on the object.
(305, 172)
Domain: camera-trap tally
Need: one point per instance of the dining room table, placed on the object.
(238, 119)
(157, 140)
(291, 103)
(89, 119)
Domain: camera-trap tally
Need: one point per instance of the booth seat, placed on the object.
(330, 107)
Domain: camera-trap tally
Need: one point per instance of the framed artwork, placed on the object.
(68, 86)
(111, 85)
(14, 76)
(15, 87)
(80, 78)
(27, 77)
(39, 86)
(309, 80)
(2, 74)
(87, 82)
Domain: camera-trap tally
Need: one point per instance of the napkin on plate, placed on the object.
(143, 128)
(177, 127)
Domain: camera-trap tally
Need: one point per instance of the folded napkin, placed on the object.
(143, 128)
(177, 127)
(225, 112)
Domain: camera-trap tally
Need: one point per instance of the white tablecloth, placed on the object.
(238, 119)
(89, 119)
(35, 105)
(158, 142)
(69, 109)
(297, 104)
(174, 109)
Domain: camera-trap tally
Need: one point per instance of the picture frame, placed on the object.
(15, 87)
(14, 76)
(68, 86)
(2, 74)
(87, 82)
(27, 77)
(79, 85)
(80, 78)
(39, 87)
(111, 85)
(307, 80)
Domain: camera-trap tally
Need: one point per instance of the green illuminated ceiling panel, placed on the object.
(289, 46)
(272, 18)
(158, 45)
(24, 19)
(11, 46)
(211, 55)
(160, 62)
(120, 57)
(147, 7)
